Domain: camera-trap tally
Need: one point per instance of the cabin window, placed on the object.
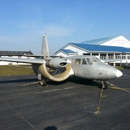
(84, 62)
(77, 61)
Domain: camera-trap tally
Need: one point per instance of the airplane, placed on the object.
(58, 69)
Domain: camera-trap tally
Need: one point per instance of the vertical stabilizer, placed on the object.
(45, 49)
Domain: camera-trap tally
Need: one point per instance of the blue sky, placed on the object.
(23, 22)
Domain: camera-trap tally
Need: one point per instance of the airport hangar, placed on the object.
(110, 48)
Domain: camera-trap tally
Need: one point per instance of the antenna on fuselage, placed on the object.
(45, 49)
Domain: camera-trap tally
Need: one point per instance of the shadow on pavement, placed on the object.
(71, 79)
(51, 128)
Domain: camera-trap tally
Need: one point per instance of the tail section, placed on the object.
(45, 49)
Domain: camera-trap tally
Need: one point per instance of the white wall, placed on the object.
(64, 55)
(61, 54)
(119, 42)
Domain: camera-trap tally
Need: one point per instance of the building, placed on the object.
(14, 54)
(104, 48)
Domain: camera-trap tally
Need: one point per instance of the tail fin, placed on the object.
(45, 49)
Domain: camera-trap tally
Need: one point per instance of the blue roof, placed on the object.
(98, 41)
(100, 48)
(68, 51)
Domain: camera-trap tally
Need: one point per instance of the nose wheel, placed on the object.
(104, 85)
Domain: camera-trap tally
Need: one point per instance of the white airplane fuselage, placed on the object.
(95, 70)
(87, 67)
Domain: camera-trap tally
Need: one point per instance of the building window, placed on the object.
(123, 57)
(102, 56)
(117, 56)
(128, 57)
(110, 56)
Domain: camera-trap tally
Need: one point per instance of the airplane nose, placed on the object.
(118, 73)
(113, 73)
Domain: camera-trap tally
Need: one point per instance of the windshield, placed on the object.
(92, 60)
(89, 60)
(85, 61)
(95, 59)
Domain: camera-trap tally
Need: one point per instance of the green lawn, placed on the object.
(11, 70)
(119, 67)
(122, 67)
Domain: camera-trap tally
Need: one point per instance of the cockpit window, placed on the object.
(84, 62)
(89, 60)
(77, 61)
(95, 59)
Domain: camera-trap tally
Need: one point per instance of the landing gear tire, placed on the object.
(42, 82)
(104, 85)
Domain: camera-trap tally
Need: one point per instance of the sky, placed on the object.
(23, 22)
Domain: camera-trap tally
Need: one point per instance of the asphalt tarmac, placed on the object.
(70, 105)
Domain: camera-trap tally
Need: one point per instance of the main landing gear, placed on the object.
(42, 80)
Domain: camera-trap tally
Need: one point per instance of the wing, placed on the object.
(21, 60)
(40, 56)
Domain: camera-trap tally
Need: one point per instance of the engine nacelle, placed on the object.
(57, 63)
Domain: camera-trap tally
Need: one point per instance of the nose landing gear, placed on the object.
(104, 86)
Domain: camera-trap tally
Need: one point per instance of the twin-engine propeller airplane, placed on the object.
(87, 67)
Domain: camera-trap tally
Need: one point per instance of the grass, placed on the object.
(119, 67)
(122, 67)
(12, 70)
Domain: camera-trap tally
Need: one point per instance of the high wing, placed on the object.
(21, 60)
(42, 56)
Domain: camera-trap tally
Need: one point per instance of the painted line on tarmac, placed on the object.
(115, 87)
(29, 84)
(54, 90)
